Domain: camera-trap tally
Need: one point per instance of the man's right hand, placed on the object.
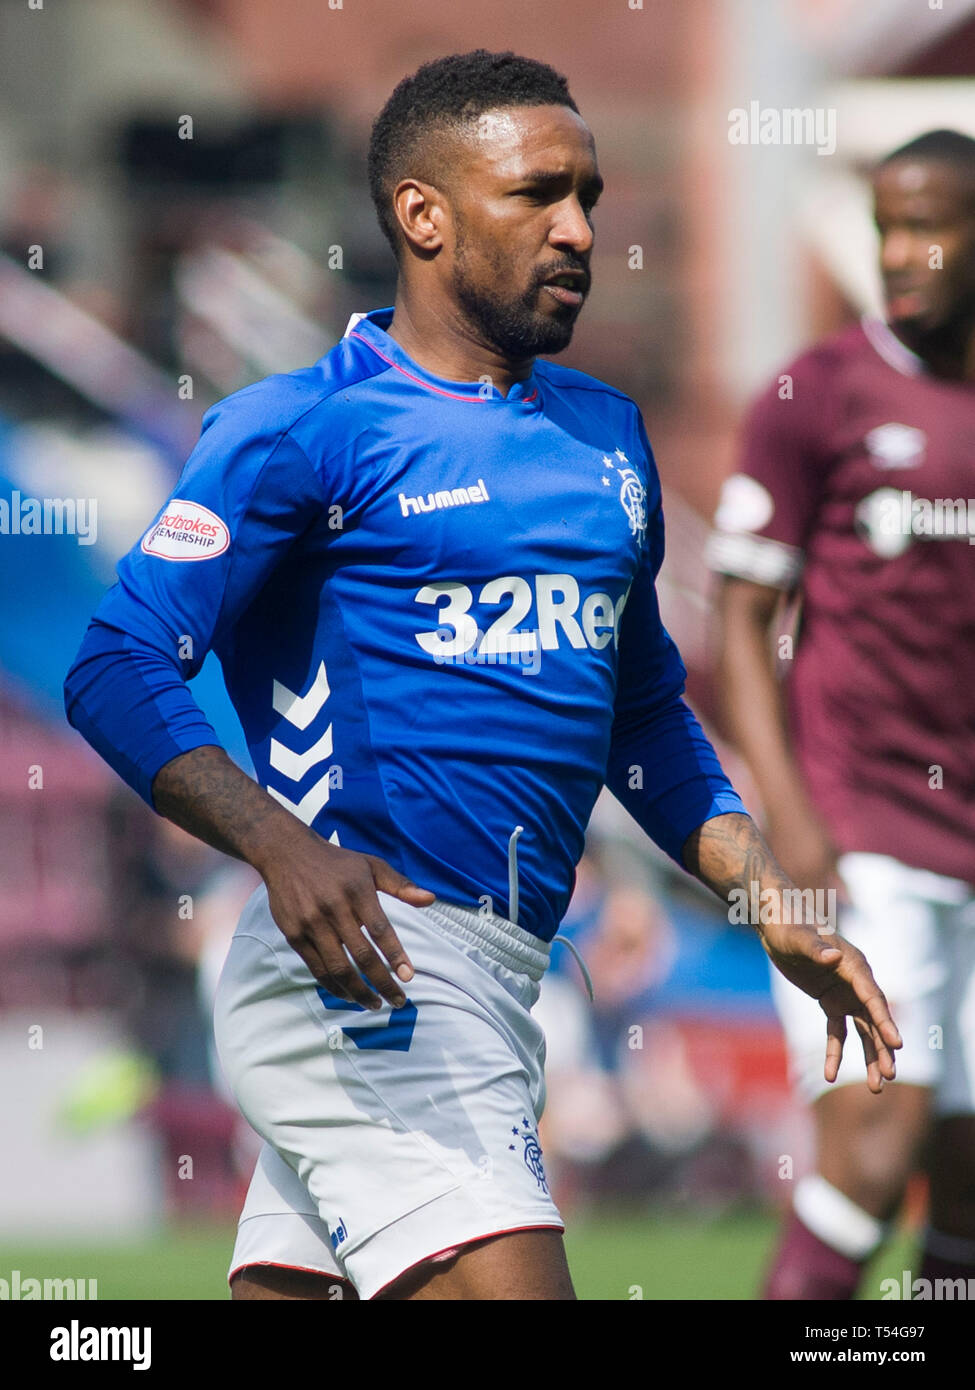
(321, 897)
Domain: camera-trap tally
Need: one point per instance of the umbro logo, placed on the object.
(436, 501)
(896, 446)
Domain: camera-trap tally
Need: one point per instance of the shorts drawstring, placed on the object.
(513, 906)
(513, 873)
(564, 941)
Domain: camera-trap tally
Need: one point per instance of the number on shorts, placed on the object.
(395, 1035)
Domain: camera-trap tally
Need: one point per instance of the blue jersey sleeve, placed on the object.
(662, 767)
(246, 493)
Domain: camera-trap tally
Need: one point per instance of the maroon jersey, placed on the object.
(854, 486)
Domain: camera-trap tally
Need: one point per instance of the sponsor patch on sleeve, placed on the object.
(186, 531)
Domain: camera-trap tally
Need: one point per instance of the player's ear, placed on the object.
(420, 211)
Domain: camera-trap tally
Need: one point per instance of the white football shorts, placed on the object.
(391, 1137)
(917, 930)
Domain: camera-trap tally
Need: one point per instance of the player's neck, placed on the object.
(437, 339)
(948, 351)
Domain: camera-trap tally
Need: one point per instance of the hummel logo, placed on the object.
(436, 501)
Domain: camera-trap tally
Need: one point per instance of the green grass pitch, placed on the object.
(612, 1258)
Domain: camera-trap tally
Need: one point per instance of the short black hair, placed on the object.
(941, 146)
(440, 99)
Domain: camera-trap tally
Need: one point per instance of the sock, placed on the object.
(825, 1244)
(947, 1257)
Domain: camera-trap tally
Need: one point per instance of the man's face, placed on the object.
(520, 216)
(921, 204)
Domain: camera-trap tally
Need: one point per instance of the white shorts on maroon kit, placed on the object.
(395, 1136)
(917, 930)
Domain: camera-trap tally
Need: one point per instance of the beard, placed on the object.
(947, 331)
(513, 325)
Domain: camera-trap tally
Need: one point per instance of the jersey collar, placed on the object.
(887, 345)
(370, 328)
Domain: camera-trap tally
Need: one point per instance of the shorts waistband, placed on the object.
(504, 941)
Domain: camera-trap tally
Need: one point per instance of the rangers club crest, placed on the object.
(633, 495)
(532, 1151)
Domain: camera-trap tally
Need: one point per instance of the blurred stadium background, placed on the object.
(142, 277)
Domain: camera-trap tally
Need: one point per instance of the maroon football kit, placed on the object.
(857, 486)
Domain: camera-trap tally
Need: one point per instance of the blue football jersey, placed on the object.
(435, 611)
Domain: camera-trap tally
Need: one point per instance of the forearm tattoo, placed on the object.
(728, 852)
